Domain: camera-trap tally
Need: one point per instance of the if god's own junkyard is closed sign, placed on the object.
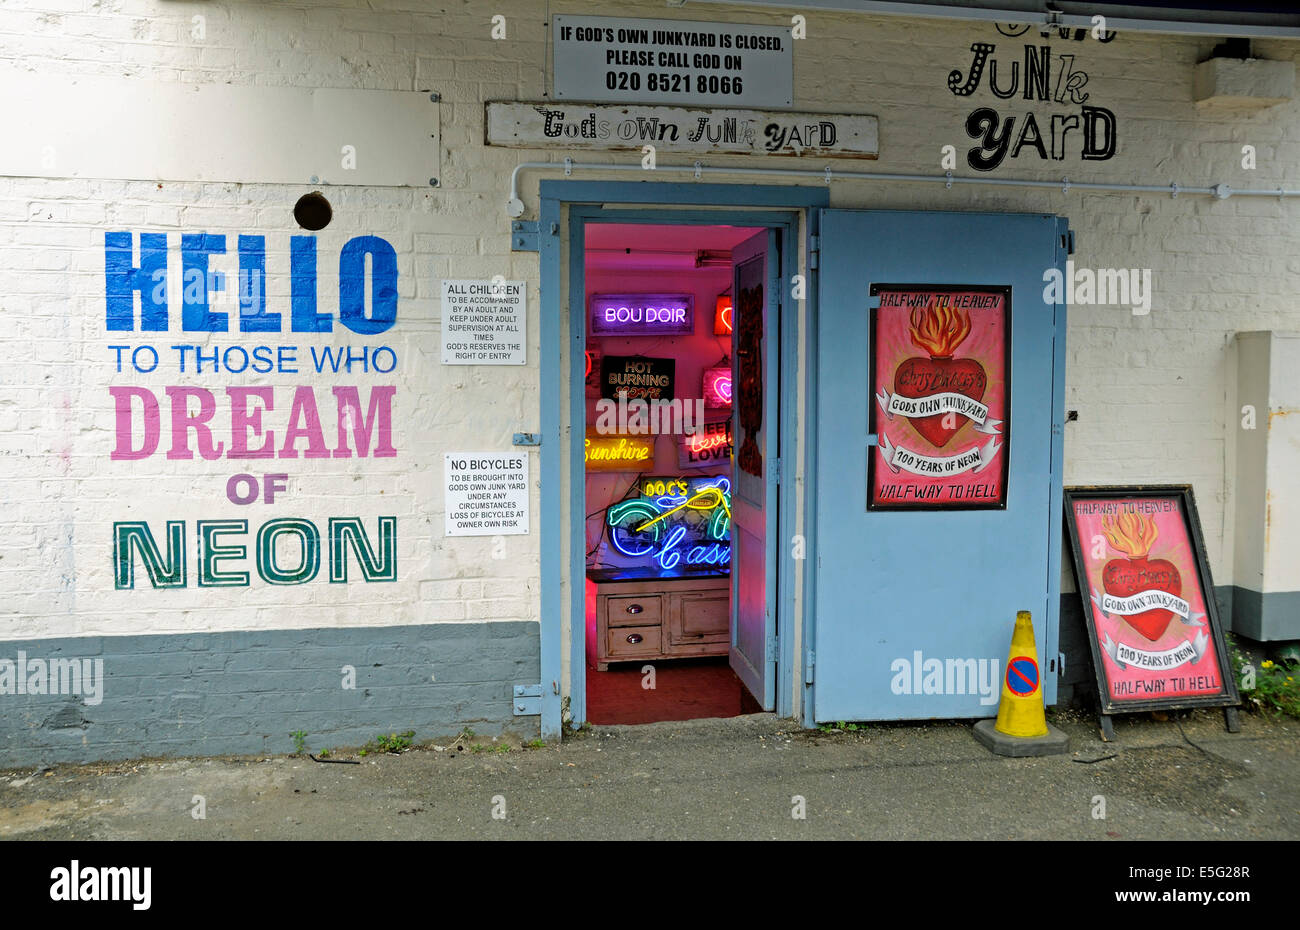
(604, 58)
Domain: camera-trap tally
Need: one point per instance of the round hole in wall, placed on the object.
(313, 211)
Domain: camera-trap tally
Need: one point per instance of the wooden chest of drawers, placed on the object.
(630, 621)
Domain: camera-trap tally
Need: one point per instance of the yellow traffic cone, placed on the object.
(1020, 712)
(1021, 728)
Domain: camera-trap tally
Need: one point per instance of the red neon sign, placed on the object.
(722, 315)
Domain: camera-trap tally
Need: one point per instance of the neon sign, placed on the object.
(593, 373)
(642, 314)
(717, 386)
(722, 316)
(618, 453)
(676, 522)
(711, 445)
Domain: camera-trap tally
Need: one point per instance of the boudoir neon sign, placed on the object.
(642, 314)
(645, 526)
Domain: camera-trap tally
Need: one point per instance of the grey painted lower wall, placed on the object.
(245, 693)
(1269, 617)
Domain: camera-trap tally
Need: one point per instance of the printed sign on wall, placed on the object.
(619, 60)
(1033, 72)
(1141, 571)
(941, 380)
(486, 494)
(229, 392)
(641, 377)
(484, 322)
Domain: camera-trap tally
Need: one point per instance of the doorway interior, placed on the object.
(660, 351)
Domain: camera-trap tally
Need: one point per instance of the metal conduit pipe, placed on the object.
(515, 206)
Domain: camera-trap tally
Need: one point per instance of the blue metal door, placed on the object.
(754, 468)
(915, 607)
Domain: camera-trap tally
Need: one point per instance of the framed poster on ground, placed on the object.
(940, 374)
(1148, 599)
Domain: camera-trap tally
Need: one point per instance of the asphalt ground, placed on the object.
(753, 778)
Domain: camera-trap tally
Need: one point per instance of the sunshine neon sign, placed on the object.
(617, 453)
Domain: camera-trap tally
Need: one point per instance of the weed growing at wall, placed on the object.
(1272, 687)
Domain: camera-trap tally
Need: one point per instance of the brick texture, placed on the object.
(1152, 391)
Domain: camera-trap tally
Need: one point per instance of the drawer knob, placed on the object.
(634, 608)
(634, 638)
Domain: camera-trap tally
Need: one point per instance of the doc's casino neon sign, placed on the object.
(676, 523)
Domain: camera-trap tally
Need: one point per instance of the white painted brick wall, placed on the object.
(1151, 391)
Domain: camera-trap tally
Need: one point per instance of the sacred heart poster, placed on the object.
(1147, 595)
(941, 396)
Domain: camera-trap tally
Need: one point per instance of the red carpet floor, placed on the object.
(685, 689)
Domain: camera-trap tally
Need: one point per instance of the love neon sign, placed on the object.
(681, 522)
(717, 386)
(710, 445)
(642, 315)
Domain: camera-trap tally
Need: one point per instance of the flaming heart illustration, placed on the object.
(1133, 534)
(939, 331)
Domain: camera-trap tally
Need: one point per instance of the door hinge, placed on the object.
(769, 651)
(776, 471)
(527, 700)
(808, 665)
(814, 250)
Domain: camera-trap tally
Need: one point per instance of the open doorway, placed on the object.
(663, 575)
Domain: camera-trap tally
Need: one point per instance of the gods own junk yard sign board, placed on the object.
(676, 130)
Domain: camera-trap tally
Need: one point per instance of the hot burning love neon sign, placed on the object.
(655, 525)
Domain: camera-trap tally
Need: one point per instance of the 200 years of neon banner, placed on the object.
(939, 396)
